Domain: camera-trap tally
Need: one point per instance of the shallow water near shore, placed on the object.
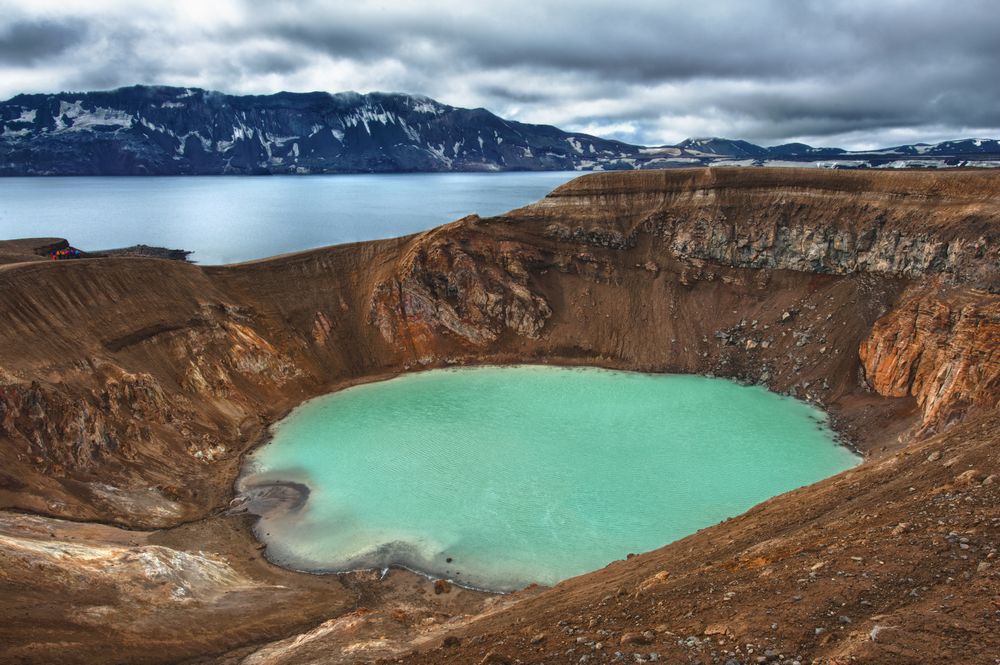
(500, 477)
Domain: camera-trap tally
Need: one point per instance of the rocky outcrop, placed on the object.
(146, 251)
(942, 346)
(171, 576)
(61, 433)
(473, 291)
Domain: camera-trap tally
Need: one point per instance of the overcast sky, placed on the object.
(850, 73)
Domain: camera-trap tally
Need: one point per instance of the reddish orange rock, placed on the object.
(942, 346)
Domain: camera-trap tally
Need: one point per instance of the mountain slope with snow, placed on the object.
(147, 130)
(144, 130)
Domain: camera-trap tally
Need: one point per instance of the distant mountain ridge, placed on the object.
(155, 130)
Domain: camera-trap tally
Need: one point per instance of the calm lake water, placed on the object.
(499, 477)
(229, 219)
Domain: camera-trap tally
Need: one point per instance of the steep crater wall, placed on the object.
(129, 388)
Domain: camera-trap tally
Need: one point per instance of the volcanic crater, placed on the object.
(131, 389)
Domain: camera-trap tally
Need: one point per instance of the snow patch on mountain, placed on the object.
(369, 114)
(426, 105)
(73, 117)
(438, 151)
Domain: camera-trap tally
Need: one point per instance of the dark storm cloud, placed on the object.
(511, 93)
(356, 41)
(23, 42)
(836, 71)
(271, 62)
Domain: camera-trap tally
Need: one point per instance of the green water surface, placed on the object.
(529, 474)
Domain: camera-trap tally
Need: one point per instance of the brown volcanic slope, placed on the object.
(129, 389)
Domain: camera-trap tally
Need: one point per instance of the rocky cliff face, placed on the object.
(941, 346)
(474, 291)
(810, 222)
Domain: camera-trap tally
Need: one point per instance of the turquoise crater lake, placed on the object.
(500, 477)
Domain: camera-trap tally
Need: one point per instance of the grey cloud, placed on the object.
(767, 71)
(24, 42)
(272, 62)
(512, 94)
(355, 41)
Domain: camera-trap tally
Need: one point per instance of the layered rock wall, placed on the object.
(839, 223)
